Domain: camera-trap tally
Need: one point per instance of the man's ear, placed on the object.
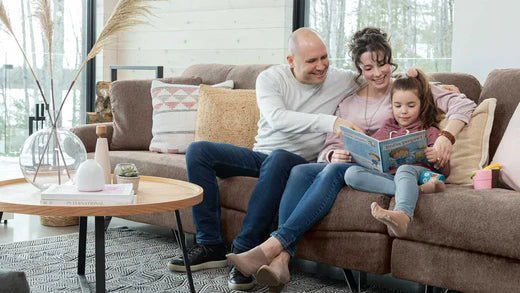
(290, 60)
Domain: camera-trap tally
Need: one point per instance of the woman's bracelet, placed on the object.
(448, 135)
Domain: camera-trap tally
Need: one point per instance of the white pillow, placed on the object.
(507, 155)
(174, 115)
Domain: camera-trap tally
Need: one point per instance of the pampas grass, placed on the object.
(127, 14)
(4, 18)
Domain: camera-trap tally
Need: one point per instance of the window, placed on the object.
(420, 30)
(19, 91)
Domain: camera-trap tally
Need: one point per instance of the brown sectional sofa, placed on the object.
(461, 239)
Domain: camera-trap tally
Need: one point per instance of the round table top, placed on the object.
(155, 194)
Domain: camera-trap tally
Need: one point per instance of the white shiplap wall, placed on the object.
(186, 32)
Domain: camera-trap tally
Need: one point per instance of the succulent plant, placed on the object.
(128, 171)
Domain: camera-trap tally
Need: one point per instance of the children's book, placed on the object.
(387, 154)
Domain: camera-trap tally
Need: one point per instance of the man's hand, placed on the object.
(451, 87)
(347, 124)
(340, 156)
(440, 153)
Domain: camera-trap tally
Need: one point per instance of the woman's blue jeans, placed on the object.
(308, 197)
(205, 161)
(404, 185)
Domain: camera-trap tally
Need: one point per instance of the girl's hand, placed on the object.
(431, 154)
(340, 156)
(443, 149)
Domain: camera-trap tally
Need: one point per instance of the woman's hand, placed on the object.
(340, 156)
(440, 153)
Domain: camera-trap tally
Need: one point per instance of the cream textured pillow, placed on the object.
(507, 154)
(471, 149)
(174, 115)
(228, 116)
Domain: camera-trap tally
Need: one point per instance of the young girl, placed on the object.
(414, 110)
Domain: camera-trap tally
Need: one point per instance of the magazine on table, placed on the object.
(111, 193)
(387, 154)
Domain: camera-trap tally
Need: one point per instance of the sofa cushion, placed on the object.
(174, 115)
(350, 212)
(132, 112)
(483, 221)
(228, 116)
(506, 154)
(503, 85)
(457, 269)
(152, 164)
(471, 149)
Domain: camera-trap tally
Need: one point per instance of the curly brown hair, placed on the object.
(429, 114)
(370, 39)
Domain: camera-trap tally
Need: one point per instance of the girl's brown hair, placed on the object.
(429, 113)
(370, 39)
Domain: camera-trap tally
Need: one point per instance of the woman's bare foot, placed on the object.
(396, 221)
(432, 186)
(250, 261)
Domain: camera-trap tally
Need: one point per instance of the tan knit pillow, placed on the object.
(471, 149)
(228, 116)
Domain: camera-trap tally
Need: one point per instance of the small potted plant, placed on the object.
(127, 173)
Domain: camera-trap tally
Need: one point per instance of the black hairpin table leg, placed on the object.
(184, 251)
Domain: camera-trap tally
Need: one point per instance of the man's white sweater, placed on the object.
(296, 116)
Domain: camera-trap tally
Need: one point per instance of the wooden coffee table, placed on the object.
(155, 195)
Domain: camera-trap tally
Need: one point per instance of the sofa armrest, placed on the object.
(87, 134)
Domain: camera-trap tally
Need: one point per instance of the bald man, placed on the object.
(297, 102)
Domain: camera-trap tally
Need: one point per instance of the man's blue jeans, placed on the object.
(403, 185)
(309, 195)
(205, 161)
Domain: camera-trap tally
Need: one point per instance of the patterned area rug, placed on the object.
(136, 262)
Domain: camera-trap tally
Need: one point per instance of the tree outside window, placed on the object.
(420, 30)
(19, 90)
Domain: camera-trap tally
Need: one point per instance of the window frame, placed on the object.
(91, 64)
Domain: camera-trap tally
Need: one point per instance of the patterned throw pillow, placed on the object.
(174, 115)
(132, 110)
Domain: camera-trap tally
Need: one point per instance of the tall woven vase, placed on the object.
(52, 157)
